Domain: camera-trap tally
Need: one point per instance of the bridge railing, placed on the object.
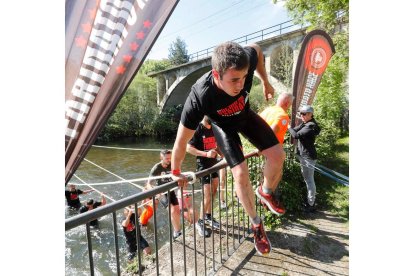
(234, 220)
(263, 34)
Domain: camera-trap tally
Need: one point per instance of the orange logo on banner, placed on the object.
(317, 55)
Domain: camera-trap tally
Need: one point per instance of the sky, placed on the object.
(203, 24)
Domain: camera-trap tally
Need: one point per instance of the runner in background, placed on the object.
(203, 145)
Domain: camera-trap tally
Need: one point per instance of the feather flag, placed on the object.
(314, 56)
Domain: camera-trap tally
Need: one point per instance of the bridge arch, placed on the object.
(181, 88)
(175, 83)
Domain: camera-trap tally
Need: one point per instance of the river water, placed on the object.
(128, 164)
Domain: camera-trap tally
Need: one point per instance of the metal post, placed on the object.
(219, 212)
(232, 213)
(169, 230)
(227, 214)
(88, 236)
(182, 225)
(212, 217)
(138, 238)
(156, 235)
(118, 269)
(204, 224)
(194, 230)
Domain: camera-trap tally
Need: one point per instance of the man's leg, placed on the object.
(308, 175)
(175, 217)
(245, 193)
(244, 189)
(229, 143)
(209, 219)
(201, 226)
(223, 176)
(273, 169)
(272, 172)
(192, 215)
(209, 195)
(207, 201)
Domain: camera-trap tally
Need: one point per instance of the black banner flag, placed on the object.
(314, 56)
(106, 43)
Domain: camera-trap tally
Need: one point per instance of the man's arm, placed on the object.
(207, 154)
(192, 150)
(178, 153)
(268, 89)
(103, 200)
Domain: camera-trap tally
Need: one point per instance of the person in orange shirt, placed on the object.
(146, 214)
(278, 119)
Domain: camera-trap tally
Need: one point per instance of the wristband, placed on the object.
(206, 154)
(176, 172)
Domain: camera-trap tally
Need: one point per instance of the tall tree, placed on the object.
(154, 66)
(322, 14)
(281, 67)
(178, 53)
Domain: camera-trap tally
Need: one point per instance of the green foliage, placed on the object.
(256, 98)
(166, 124)
(136, 111)
(154, 66)
(320, 14)
(282, 66)
(178, 53)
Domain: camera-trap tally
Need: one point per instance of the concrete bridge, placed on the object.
(174, 84)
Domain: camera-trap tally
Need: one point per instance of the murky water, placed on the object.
(127, 164)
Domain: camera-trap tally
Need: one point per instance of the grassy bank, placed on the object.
(335, 196)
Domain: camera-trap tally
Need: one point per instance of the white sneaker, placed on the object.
(223, 205)
(177, 234)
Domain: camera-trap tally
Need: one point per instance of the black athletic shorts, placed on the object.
(173, 199)
(206, 179)
(132, 248)
(254, 128)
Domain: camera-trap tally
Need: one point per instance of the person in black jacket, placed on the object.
(306, 133)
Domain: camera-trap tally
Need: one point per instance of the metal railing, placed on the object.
(266, 33)
(255, 164)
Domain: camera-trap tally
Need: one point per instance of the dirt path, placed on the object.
(313, 245)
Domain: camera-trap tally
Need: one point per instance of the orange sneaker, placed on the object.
(272, 204)
(261, 242)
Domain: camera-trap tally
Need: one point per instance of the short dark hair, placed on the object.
(229, 55)
(165, 151)
(89, 202)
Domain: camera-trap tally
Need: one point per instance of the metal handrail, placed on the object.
(125, 202)
(111, 208)
(244, 39)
